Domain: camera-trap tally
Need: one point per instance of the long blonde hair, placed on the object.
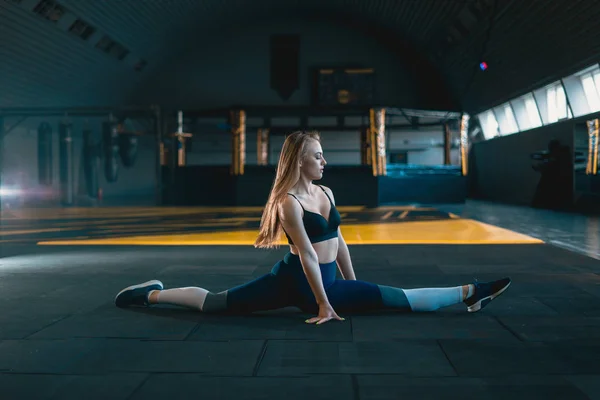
(287, 175)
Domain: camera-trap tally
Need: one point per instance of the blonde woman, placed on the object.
(306, 276)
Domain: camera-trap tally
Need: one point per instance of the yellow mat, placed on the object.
(452, 231)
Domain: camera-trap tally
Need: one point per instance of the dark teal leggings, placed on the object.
(286, 286)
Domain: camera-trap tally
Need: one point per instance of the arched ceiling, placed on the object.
(525, 43)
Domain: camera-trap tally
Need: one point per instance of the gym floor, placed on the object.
(62, 338)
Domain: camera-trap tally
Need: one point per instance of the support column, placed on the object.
(238, 130)
(464, 144)
(365, 146)
(160, 153)
(377, 130)
(262, 146)
(163, 152)
(67, 187)
(180, 143)
(447, 144)
(592, 159)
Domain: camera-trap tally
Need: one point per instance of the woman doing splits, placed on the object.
(306, 276)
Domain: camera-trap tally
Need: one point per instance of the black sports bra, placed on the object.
(317, 227)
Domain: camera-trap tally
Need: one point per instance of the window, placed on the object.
(557, 104)
(525, 112)
(489, 125)
(533, 114)
(49, 10)
(511, 122)
(591, 88)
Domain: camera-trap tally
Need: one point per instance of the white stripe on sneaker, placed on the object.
(133, 287)
(477, 306)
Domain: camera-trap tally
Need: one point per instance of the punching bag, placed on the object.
(45, 154)
(128, 147)
(65, 132)
(90, 164)
(110, 146)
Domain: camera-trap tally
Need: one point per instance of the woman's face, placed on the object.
(313, 162)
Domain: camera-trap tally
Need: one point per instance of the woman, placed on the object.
(306, 277)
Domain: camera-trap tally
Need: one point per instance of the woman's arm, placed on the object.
(291, 218)
(344, 260)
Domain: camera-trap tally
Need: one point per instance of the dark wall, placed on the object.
(351, 185)
(214, 186)
(501, 168)
(233, 66)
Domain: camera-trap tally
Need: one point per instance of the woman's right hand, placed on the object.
(326, 313)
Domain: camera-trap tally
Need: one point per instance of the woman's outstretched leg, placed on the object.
(355, 296)
(268, 292)
(475, 296)
(152, 292)
(191, 297)
(423, 299)
(137, 295)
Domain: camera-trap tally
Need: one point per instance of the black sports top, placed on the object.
(317, 227)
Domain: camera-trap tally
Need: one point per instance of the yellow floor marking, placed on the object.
(387, 215)
(456, 231)
(396, 208)
(404, 214)
(30, 231)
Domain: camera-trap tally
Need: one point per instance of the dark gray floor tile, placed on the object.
(99, 387)
(293, 358)
(550, 329)
(390, 387)
(488, 358)
(588, 384)
(583, 304)
(46, 356)
(393, 387)
(546, 289)
(111, 322)
(279, 324)
(30, 386)
(582, 356)
(235, 358)
(15, 325)
(428, 326)
(187, 386)
(592, 286)
(515, 306)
